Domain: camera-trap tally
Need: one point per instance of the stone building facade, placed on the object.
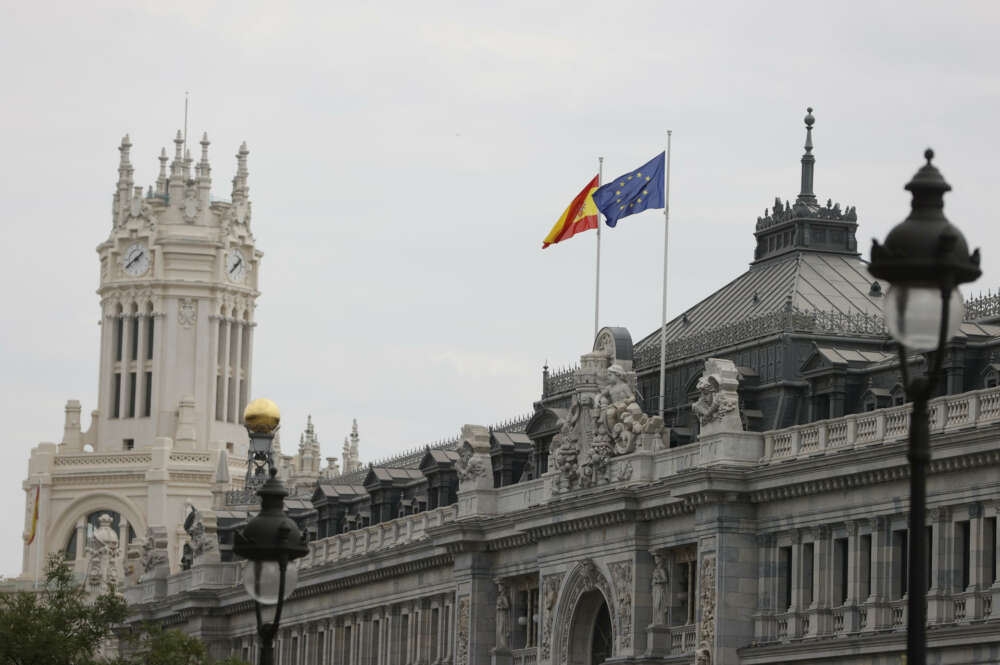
(761, 518)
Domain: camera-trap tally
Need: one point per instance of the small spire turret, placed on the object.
(806, 194)
(161, 180)
(204, 168)
(177, 166)
(240, 189)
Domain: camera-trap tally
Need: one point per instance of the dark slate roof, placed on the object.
(815, 281)
(390, 474)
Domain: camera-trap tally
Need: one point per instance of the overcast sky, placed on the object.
(408, 158)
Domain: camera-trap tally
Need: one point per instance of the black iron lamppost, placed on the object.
(271, 541)
(924, 259)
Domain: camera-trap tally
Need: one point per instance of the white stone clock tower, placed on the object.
(178, 285)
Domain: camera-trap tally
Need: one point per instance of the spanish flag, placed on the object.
(579, 216)
(34, 517)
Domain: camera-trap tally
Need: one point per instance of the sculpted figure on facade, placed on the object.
(102, 557)
(706, 626)
(473, 466)
(619, 419)
(718, 401)
(551, 591)
(153, 557)
(462, 647)
(503, 616)
(567, 452)
(204, 544)
(660, 581)
(467, 467)
(621, 579)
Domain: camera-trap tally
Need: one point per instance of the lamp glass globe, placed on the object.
(261, 579)
(913, 315)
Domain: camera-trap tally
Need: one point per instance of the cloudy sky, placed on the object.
(406, 160)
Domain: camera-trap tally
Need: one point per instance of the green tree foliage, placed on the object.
(57, 625)
(151, 645)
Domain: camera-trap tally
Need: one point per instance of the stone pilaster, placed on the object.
(939, 606)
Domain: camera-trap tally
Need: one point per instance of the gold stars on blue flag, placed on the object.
(633, 192)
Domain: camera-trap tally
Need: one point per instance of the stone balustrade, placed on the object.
(969, 410)
(382, 536)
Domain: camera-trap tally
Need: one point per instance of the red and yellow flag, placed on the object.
(579, 216)
(34, 516)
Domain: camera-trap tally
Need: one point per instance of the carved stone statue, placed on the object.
(204, 543)
(702, 656)
(718, 402)
(503, 616)
(567, 453)
(619, 419)
(467, 467)
(102, 556)
(660, 582)
(153, 556)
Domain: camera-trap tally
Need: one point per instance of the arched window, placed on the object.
(92, 522)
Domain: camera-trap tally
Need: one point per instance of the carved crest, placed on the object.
(191, 205)
(187, 312)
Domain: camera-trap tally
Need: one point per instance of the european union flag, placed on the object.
(633, 192)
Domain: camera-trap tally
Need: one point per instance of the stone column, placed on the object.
(977, 572)
(795, 609)
(140, 364)
(123, 366)
(475, 608)
(995, 588)
(855, 564)
(879, 616)
(767, 587)
(237, 414)
(821, 622)
(939, 607)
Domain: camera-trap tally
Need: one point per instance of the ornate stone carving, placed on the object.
(503, 616)
(706, 626)
(567, 453)
(618, 419)
(717, 406)
(462, 648)
(621, 578)
(102, 557)
(191, 205)
(153, 557)
(779, 213)
(659, 583)
(204, 543)
(550, 587)
(586, 577)
(187, 312)
(468, 467)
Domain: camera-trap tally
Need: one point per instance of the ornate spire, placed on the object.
(240, 189)
(806, 195)
(124, 165)
(204, 168)
(177, 166)
(161, 180)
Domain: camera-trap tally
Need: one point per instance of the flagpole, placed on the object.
(597, 288)
(663, 319)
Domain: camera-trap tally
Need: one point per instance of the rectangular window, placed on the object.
(134, 339)
(117, 390)
(147, 406)
(929, 548)
(784, 578)
(990, 549)
(865, 574)
(131, 394)
(840, 563)
(321, 648)
(808, 579)
(150, 320)
(231, 396)
(219, 388)
(962, 552)
(345, 656)
(294, 659)
(375, 645)
(128, 444)
(119, 338)
(900, 562)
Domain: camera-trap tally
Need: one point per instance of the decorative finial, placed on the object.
(928, 154)
(806, 194)
(809, 117)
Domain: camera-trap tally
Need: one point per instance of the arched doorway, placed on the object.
(590, 636)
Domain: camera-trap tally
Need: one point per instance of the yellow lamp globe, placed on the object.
(261, 416)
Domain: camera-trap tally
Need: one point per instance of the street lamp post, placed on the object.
(924, 259)
(271, 541)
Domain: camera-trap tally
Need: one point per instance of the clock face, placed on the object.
(136, 260)
(236, 265)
